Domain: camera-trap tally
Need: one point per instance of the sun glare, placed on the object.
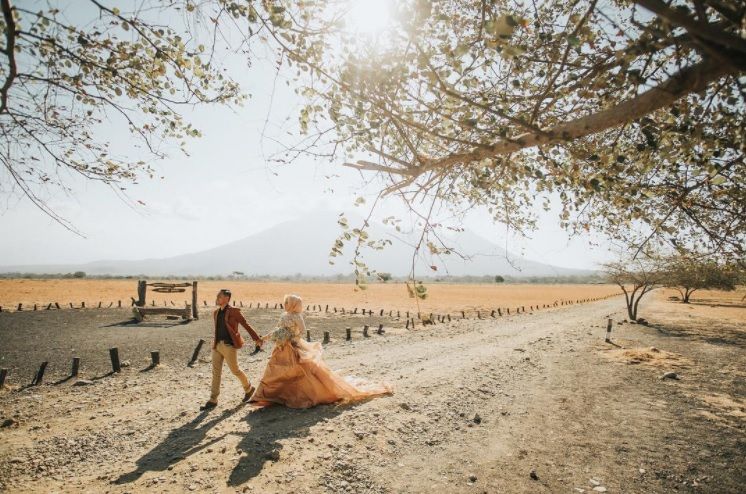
(368, 16)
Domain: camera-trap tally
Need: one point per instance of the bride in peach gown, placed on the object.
(297, 377)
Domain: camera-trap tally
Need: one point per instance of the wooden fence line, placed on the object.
(116, 364)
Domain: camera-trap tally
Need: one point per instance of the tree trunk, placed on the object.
(631, 311)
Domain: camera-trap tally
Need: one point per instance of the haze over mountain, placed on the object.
(302, 247)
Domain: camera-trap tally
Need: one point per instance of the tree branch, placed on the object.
(694, 27)
(692, 79)
(10, 46)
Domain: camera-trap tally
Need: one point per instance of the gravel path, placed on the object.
(529, 403)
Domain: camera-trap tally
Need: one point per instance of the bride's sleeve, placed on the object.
(284, 330)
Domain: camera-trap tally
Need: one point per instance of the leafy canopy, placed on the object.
(630, 114)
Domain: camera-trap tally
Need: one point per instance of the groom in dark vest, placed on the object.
(225, 346)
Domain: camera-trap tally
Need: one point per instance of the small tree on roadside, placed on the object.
(384, 277)
(687, 275)
(499, 279)
(635, 278)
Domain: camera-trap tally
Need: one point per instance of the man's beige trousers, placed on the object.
(227, 353)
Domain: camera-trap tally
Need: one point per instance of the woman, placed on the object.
(296, 376)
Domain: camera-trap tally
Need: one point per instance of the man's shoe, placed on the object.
(208, 406)
(248, 394)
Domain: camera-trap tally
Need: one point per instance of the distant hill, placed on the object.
(302, 247)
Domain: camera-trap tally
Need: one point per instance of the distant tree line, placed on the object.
(298, 277)
(682, 272)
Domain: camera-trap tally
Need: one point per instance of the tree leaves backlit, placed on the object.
(631, 114)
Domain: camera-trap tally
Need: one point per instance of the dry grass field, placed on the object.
(442, 298)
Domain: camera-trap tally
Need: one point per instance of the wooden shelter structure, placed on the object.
(141, 311)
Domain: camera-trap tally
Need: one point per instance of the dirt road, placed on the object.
(529, 403)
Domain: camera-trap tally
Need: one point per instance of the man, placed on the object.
(225, 345)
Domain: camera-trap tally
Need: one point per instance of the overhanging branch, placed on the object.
(692, 79)
(10, 47)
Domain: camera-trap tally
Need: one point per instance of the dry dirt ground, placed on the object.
(527, 403)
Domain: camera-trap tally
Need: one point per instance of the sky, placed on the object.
(226, 190)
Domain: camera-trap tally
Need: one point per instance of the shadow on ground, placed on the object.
(268, 427)
(262, 443)
(180, 443)
(714, 333)
(146, 323)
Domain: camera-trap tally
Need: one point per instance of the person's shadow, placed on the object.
(268, 427)
(180, 443)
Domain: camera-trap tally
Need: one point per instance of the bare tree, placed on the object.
(636, 278)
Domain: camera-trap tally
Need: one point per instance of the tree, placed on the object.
(79, 274)
(687, 274)
(636, 278)
(384, 276)
(628, 113)
(67, 71)
(499, 279)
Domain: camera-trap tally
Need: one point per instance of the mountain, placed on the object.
(303, 245)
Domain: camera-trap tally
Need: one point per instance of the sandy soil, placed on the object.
(441, 297)
(527, 403)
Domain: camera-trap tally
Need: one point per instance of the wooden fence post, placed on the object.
(308, 335)
(195, 299)
(3, 375)
(196, 351)
(141, 289)
(116, 366)
(76, 367)
(609, 323)
(380, 329)
(365, 331)
(349, 333)
(39, 374)
(326, 337)
(155, 358)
